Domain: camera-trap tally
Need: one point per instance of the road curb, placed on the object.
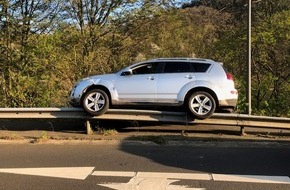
(135, 138)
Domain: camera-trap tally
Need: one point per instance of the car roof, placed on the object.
(181, 59)
(174, 59)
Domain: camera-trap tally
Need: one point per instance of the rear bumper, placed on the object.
(231, 103)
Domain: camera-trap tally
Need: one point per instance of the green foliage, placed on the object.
(271, 66)
(41, 57)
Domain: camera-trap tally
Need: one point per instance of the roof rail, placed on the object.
(183, 58)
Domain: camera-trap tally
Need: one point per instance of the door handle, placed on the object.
(150, 78)
(189, 76)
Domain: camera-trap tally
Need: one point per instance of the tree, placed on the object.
(271, 66)
(22, 21)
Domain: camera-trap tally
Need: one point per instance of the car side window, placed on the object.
(177, 67)
(200, 67)
(148, 68)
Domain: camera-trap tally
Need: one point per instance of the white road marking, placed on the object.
(114, 174)
(189, 176)
(144, 178)
(199, 176)
(137, 183)
(252, 178)
(59, 172)
(151, 180)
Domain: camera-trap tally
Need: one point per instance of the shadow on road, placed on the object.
(195, 154)
(230, 157)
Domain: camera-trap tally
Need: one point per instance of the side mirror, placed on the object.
(126, 73)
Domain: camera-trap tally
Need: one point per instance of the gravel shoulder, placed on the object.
(159, 135)
(74, 132)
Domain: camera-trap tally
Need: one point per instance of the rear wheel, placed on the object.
(201, 104)
(96, 102)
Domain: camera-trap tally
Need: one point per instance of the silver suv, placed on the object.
(200, 85)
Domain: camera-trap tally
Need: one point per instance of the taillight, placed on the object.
(234, 92)
(230, 76)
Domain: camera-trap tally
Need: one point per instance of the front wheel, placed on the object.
(201, 104)
(96, 102)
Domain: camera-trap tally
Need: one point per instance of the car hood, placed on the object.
(106, 76)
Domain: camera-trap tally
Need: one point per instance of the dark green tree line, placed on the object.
(46, 46)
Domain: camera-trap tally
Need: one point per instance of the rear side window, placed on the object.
(200, 67)
(177, 67)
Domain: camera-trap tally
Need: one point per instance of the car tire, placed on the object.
(95, 102)
(201, 104)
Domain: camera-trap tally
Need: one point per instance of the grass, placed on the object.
(12, 137)
(42, 138)
(106, 132)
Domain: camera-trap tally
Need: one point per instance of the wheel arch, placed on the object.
(204, 89)
(101, 87)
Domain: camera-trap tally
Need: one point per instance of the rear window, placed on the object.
(200, 67)
(177, 67)
(184, 67)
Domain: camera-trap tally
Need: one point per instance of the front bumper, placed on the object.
(74, 102)
(77, 92)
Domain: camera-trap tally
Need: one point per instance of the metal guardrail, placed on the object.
(239, 120)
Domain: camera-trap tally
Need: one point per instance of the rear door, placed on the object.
(175, 75)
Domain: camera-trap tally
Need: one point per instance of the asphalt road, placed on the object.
(201, 165)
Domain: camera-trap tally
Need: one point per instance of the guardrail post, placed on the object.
(90, 131)
(183, 132)
(242, 131)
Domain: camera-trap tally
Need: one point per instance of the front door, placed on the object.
(140, 86)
